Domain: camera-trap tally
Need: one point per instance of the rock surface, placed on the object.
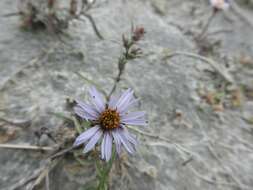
(206, 149)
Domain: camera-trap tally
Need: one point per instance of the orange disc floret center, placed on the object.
(109, 119)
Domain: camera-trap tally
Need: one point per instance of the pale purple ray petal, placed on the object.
(112, 102)
(124, 98)
(85, 136)
(97, 99)
(88, 108)
(108, 146)
(138, 122)
(103, 147)
(128, 105)
(124, 141)
(129, 137)
(133, 115)
(83, 114)
(117, 141)
(93, 141)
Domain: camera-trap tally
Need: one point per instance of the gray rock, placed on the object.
(35, 85)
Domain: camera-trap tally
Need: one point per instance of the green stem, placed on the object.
(104, 173)
(121, 66)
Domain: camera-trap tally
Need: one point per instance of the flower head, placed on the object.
(220, 4)
(109, 122)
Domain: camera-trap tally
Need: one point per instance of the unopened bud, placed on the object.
(138, 33)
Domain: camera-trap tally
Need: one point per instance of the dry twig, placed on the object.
(211, 181)
(18, 123)
(178, 146)
(27, 147)
(240, 13)
(222, 71)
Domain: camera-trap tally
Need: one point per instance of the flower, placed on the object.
(109, 121)
(220, 4)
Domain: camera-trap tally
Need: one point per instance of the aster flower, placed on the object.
(109, 121)
(220, 4)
